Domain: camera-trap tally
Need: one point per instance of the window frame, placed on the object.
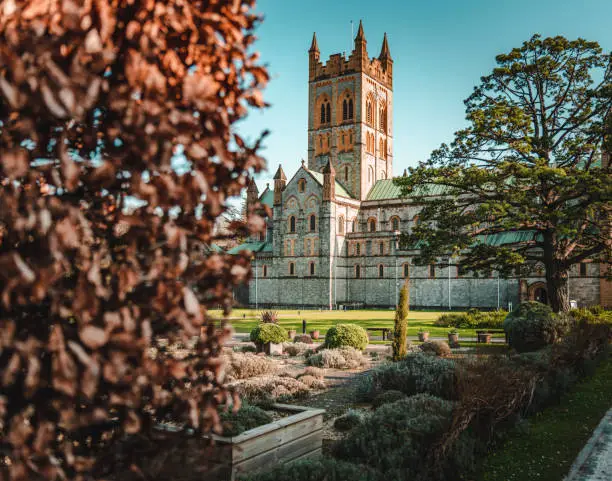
(357, 271)
(292, 224)
(381, 271)
(291, 269)
(312, 223)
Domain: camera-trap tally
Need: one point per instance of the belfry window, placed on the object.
(323, 113)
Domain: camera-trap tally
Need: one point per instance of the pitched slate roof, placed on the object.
(267, 197)
(387, 189)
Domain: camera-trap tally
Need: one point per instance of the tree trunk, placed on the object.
(557, 275)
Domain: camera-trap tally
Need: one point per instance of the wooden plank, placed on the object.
(254, 446)
(284, 453)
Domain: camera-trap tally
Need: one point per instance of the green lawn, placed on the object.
(323, 320)
(556, 435)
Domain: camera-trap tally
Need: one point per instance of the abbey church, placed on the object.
(333, 238)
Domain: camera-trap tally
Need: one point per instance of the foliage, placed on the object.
(414, 374)
(349, 420)
(297, 348)
(395, 438)
(245, 418)
(265, 333)
(312, 382)
(102, 241)
(303, 338)
(400, 324)
(473, 319)
(437, 348)
(387, 397)
(342, 358)
(322, 469)
(522, 185)
(245, 348)
(314, 371)
(269, 317)
(533, 325)
(277, 388)
(592, 315)
(346, 335)
(245, 365)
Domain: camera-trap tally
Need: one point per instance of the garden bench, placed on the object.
(489, 331)
(385, 331)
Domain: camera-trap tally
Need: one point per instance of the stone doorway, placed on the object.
(538, 292)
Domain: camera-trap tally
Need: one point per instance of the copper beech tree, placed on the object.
(97, 229)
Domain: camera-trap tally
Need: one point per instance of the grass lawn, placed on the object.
(244, 320)
(556, 435)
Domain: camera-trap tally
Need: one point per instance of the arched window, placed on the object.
(381, 149)
(395, 223)
(341, 225)
(383, 118)
(370, 174)
(292, 268)
(583, 269)
(292, 224)
(350, 108)
(312, 222)
(344, 109)
(381, 248)
(351, 133)
(432, 271)
(357, 249)
(328, 112)
(369, 111)
(406, 270)
(381, 271)
(372, 224)
(323, 113)
(301, 185)
(354, 225)
(311, 268)
(346, 173)
(264, 271)
(357, 271)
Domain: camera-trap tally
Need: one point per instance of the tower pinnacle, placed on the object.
(314, 46)
(384, 51)
(360, 35)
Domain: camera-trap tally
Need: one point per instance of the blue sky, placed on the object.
(440, 49)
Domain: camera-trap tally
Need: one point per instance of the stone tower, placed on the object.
(350, 111)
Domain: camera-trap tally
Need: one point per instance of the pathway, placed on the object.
(594, 463)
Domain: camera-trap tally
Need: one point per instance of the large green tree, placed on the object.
(524, 183)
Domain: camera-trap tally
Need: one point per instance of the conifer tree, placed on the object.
(401, 324)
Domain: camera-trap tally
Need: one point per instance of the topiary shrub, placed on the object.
(346, 335)
(414, 374)
(533, 325)
(265, 333)
(247, 417)
(304, 338)
(322, 469)
(396, 438)
(387, 397)
(349, 420)
(438, 348)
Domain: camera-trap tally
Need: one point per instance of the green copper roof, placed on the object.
(252, 246)
(267, 197)
(387, 189)
(339, 189)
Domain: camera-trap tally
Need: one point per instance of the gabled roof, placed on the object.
(251, 246)
(319, 178)
(267, 197)
(387, 189)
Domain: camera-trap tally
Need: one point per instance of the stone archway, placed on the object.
(538, 292)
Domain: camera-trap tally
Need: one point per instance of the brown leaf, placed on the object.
(93, 337)
(15, 163)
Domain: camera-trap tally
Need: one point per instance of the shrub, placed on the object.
(297, 348)
(414, 374)
(349, 420)
(533, 325)
(312, 382)
(247, 417)
(322, 469)
(400, 326)
(344, 358)
(346, 335)
(264, 388)
(246, 348)
(387, 397)
(314, 371)
(396, 437)
(438, 348)
(303, 338)
(245, 365)
(265, 333)
(473, 319)
(269, 317)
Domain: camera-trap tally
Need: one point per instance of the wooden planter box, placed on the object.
(296, 436)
